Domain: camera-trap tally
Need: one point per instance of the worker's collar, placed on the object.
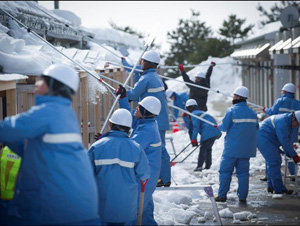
(238, 101)
(149, 70)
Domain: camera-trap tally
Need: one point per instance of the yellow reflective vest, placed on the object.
(9, 167)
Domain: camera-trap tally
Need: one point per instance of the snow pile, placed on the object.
(68, 15)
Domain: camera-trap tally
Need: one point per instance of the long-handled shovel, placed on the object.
(141, 205)
(180, 153)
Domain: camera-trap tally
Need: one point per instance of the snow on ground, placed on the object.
(176, 207)
(23, 53)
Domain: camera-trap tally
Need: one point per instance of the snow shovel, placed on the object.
(189, 154)
(174, 163)
(141, 205)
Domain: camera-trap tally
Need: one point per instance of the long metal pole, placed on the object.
(198, 86)
(35, 34)
(92, 40)
(148, 43)
(191, 114)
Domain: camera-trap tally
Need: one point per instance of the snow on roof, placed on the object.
(12, 77)
(262, 32)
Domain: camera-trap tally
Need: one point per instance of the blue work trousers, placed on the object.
(227, 166)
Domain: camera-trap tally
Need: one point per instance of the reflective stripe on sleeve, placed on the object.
(156, 90)
(156, 145)
(244, 120)
(286, 110)
(62, 138)
(272, 121)
(101, 162)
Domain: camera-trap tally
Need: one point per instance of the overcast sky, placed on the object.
(144, 15)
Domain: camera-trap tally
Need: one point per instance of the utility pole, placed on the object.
(56, 4)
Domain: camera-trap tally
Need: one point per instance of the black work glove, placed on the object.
(98, 136)
(121, 91)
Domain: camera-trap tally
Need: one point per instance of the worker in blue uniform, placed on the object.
(179, 100)
(145, 133)
(209, 134)
(150, 84)
(286, 103)
(55, 183)
(240, 124)
(275, 132)
(119, 164)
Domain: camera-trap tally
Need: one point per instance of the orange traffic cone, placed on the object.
(175, 128)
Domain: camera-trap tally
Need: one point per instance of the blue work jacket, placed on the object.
(150, 84)
(180, 100)
(55, 184)
(286, 103)
(145, 132)
(119, 164)
(240, 124)
(206, 130)
(277, 129)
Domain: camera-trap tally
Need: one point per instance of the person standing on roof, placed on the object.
(145, 133)
(276, 131)
(208, 134)
(286, 103)
(201, 79)
(119, 164)
(55, 183)
(240, 124)
(150, 84)
(179, 100)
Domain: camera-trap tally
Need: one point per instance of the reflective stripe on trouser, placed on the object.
(10, 164)
(227, 166)
(165, 172)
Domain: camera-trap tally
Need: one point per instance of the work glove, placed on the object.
(185, 114)
(264, 109)
(106, 65)
(181, 68)
(295, 146)
(121, 91)
(212, 64)
(123, 58)
(296, 159)
(194, 143)
(97, 136)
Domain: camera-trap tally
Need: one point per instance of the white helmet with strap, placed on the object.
(289, 87)
(151, 104)
(242, 91)
(169, 93)
(121, 117)
(64, 74)
(151, 56)
(200, 75)
(297, 115)
(190, 102)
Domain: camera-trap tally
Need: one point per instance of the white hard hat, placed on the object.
(151, 56)
(297, 115)
(200, 75)
(289, 87)
(151, 104)
(169, 93)
(242, 91)
(64, 74)
(121, 117)
(190, 102)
